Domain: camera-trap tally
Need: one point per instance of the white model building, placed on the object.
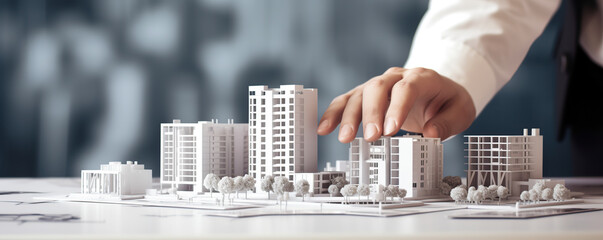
(504, 160)
(320, 181)
(116, 179)
(190, 151)
(340, 166)
(410, 162)
(282, 131)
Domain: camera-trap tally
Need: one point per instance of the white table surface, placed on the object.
(102, 221)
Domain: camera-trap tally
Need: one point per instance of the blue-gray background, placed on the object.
(87, 82)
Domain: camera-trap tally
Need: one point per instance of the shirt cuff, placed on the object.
(458, 62)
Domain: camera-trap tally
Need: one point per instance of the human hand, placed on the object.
(417, 100)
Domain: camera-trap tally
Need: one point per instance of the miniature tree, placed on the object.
(339, 182)
(267, 182)
(561, 193)
(364, 190)
(445, 188)
(478, 196)
(289, 187)
(402, 194)
(491, 192)
(302, 187)
(453, 181)
(502, 192)
(524, 196)
(470, 194)
(348, 190)
(547, 194)
(458, 194)
(534, 195)
(279, 186)
(211, 182)
(392, 191)
(482, 188)
(333, 190)
(249, 183)
(380, 192)
(538, 187)
(239, 184)
(226, 186)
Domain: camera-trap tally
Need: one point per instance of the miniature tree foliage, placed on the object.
(458, 194)
(211, 182)
(547, 194)
(561, 193)
(470, 194)
(333, 190)
(348, 190)
(289, 187)
(524, 196)
(339, 182)
(249, 182)
(478, 196)
(278, 187)
(364, 190)
(534, 195)
(445, 188)
(502, 192)
(239, 184)
(538, 187)
(302, 187)
(226, 186)
(402, 193)
(492, 192)
(452, 181)
(392, 191)
(266, 185)
(482, 188)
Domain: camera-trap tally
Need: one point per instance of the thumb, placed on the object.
(448, 122)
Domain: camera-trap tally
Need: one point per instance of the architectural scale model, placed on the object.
(190, 151)
(508, 161)
(116, 179)
(207, 164)
(410, 162)
(282, 131)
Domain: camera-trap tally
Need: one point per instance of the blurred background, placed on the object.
(88, 82)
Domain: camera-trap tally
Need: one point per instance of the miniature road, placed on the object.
(67, 220)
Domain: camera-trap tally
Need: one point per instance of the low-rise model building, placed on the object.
(320, 181)
(410, 162)
(117, 179)
(504, 160)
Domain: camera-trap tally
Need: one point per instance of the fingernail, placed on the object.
(323, 125)
(370, 131)
(345, 133)
(390, 126)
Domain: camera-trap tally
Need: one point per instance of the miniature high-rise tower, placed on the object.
(282, 131)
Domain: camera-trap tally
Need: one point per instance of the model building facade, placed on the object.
(320, 181)
(190, 151)
(282, 131)
(411, 162)
(504, 160)
(117, 179)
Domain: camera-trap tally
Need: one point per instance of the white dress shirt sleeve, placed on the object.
(479, 43)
